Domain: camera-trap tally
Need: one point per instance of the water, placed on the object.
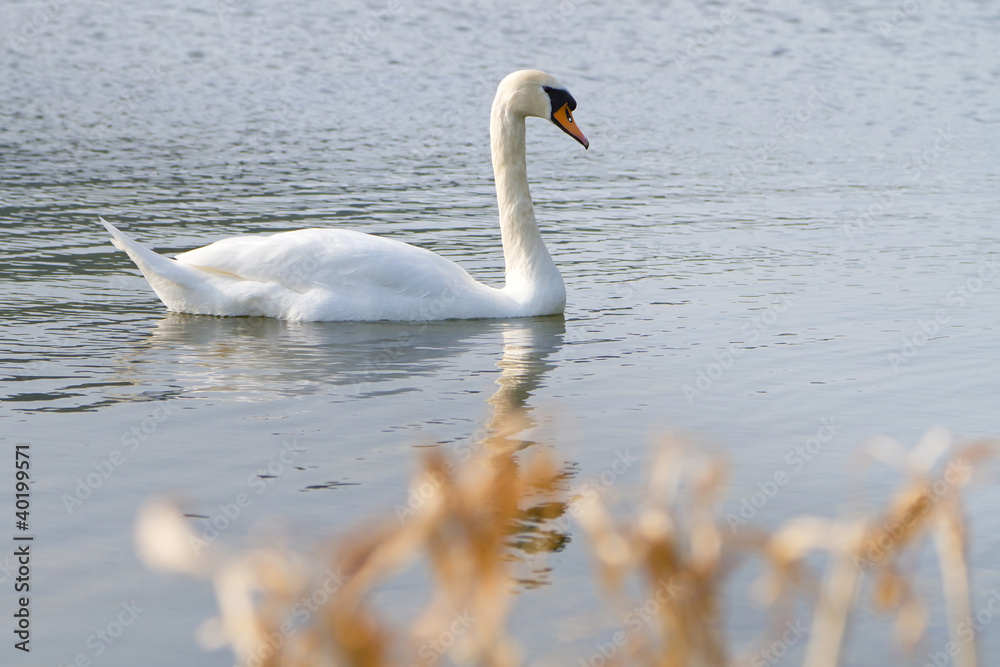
(786, 220)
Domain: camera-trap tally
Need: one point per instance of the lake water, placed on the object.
(786, 220)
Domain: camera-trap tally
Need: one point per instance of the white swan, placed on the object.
(337, 275)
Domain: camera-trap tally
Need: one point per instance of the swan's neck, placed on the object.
(531, 274)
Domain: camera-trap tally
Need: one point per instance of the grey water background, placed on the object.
(787, 219)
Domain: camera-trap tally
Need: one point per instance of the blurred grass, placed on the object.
(481, 525)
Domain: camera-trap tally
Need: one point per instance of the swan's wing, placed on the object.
(340, 261)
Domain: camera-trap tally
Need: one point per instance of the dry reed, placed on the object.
(480, 521)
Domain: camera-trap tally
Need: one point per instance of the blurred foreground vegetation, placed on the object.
(484, 525)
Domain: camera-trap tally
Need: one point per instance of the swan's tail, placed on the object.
(172, 281)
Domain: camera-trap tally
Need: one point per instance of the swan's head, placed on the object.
(530, 92)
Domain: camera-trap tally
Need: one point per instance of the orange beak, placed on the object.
(564, 119)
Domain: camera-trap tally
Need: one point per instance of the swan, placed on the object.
(343, 275)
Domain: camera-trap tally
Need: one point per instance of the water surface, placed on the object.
(786, 219)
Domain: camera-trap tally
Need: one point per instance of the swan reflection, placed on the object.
(263, 358)
(260, 358)
(529, 349)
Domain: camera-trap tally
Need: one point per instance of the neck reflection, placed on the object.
(538, 527)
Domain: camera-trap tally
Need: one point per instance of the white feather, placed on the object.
(334, 274)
